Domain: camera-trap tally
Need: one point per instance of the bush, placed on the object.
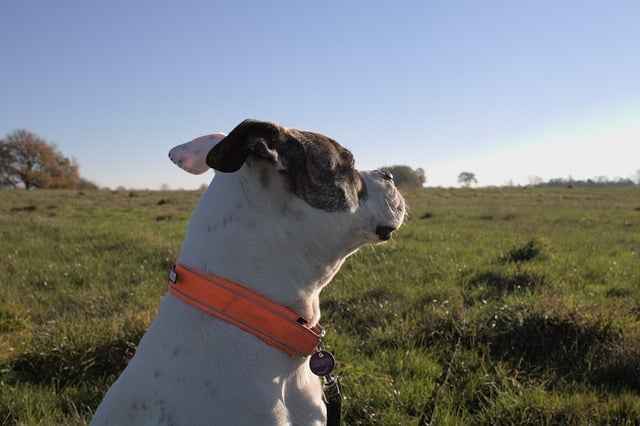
(527, 252)
(405, 176)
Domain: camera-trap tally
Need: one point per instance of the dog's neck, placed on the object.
(262, 240)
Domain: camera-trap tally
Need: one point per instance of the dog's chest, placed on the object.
(190, 370)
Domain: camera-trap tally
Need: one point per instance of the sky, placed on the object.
(504, 89)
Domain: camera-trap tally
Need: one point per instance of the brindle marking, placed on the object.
(318, 169)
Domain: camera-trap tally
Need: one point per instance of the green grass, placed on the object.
(536, 291)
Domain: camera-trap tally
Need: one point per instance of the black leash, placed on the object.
(333, 400)
(322, 364)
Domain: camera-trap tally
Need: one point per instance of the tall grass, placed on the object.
(535, 291)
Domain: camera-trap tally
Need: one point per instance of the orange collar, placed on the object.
(274, 324)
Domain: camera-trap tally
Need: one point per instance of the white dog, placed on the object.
(287, 210)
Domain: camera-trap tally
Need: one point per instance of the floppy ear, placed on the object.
(192, 156)
(259, 138)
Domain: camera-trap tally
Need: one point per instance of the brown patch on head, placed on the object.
(317, 168)
(320, 170)
(249, 137)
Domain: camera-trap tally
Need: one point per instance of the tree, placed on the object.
(28, 160)
(86, 185)
(535, 180)
(467, 178)
(406, 176)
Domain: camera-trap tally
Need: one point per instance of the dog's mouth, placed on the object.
(384, 232)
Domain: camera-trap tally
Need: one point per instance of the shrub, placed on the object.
(405, 176)
(524, 253)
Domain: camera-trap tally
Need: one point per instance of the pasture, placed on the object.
(506, 306)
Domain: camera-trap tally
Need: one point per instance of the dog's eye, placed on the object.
(386, 175)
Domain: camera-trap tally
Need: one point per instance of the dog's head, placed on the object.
(311, 176)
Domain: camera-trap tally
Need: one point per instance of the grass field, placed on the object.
(489, 307)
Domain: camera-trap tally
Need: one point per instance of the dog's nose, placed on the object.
(384, 232)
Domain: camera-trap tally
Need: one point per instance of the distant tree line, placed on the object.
(28, 161)
(591, 182)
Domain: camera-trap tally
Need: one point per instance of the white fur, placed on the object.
(192, 369)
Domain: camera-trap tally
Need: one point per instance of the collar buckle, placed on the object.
(173, 275)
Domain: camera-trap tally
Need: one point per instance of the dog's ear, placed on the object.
(192, 156)
(258, 138)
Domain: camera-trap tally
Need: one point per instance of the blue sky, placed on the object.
(505, 89)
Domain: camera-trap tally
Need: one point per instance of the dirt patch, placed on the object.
(164, 218)
(427, 215)
(162, 202)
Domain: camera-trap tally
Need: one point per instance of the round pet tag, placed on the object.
(322, 363)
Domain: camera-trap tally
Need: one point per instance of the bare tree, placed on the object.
(7, 174)
(467, 178)
(27, 159)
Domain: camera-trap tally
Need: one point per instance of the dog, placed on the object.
(285, 209)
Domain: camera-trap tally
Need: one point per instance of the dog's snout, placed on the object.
(384, 232)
